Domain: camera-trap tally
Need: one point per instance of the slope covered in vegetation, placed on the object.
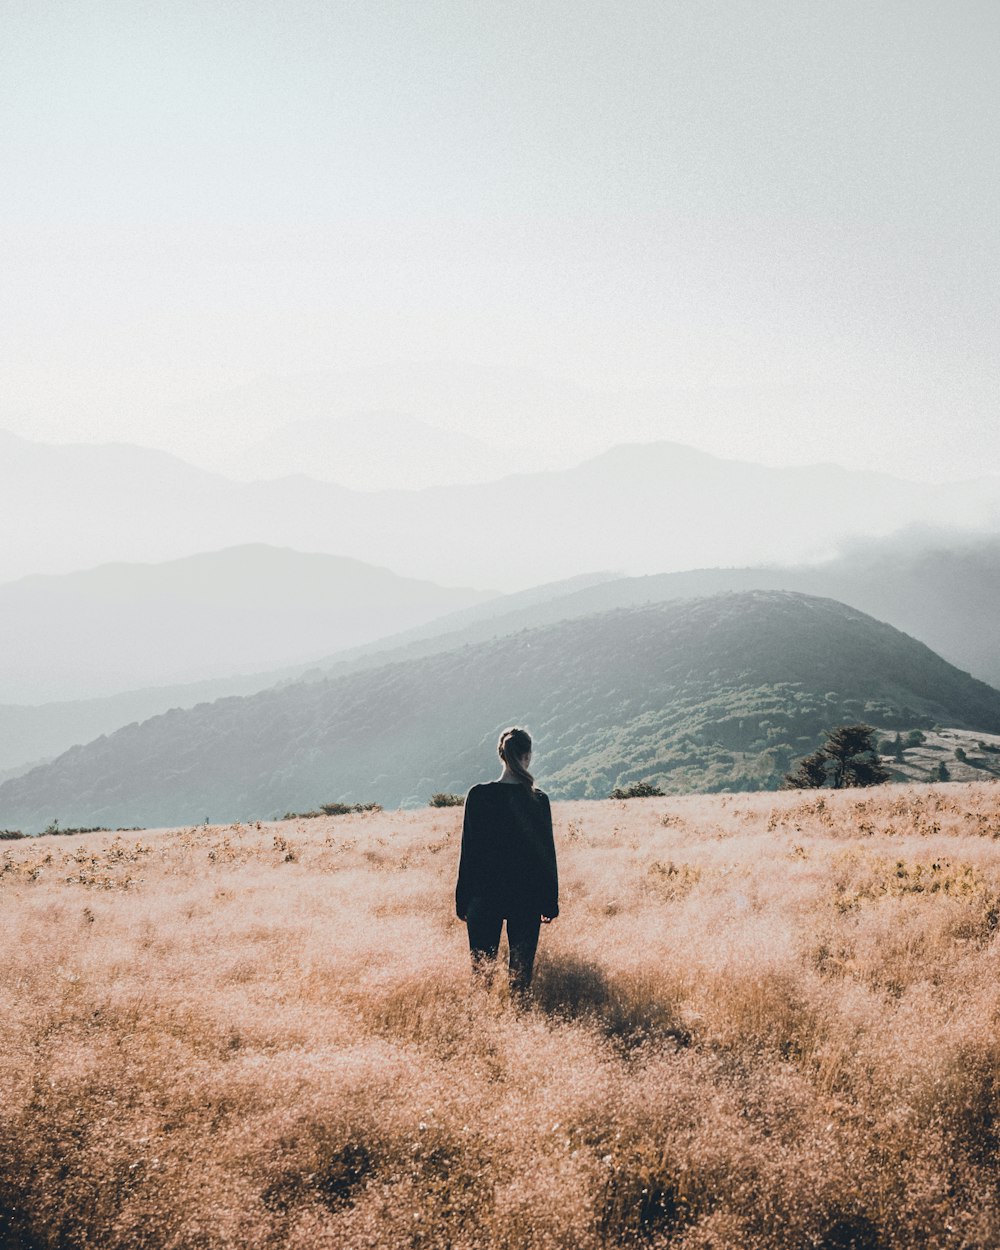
(945, 592)
(718, 693)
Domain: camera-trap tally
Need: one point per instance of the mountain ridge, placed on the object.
(102, 506)
(712, 693)
(122, 626)
(942, 592)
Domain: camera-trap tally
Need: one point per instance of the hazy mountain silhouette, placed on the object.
(33, 733)
(637, 508)
(711, 693)
(119, 627)
(942, 589)
(945, 593)
(372, 451)
(506, 410)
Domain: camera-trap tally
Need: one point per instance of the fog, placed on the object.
(482, 297)
(763, 230)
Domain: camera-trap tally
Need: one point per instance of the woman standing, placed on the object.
(507, 869)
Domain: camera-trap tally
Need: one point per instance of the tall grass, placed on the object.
(760, 1021)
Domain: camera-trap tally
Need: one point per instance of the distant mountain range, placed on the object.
(942, 591)
(636, 508)
(411, 455)
(282, 586)
(712, 693)
(121, 627)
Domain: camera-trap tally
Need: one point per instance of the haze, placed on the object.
(766, 230)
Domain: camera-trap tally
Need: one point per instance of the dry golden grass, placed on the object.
(761, 1021)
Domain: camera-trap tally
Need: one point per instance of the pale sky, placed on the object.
(767, 229)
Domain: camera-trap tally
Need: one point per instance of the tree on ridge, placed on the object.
(849, 757)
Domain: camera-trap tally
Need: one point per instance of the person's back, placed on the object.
(508, 856)
(508, 868)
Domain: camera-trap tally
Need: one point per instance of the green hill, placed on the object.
(943, 590)
(706, 694)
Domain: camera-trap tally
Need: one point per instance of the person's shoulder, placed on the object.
(539, 796)
(544, 806)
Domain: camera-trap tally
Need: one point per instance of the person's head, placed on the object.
(514, 748)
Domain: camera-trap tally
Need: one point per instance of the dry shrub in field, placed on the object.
(760, 1022)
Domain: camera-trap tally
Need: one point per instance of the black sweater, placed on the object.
(508, 854)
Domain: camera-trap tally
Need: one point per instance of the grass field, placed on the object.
(760, 1021)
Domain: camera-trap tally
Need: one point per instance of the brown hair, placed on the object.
(512, 745)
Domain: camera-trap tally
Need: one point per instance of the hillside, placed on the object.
(300, 609)
(943, 590)
(122, 627)
(706, 694)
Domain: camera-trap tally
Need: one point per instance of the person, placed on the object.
(507, 869)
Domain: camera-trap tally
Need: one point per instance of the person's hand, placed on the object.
(547, 919)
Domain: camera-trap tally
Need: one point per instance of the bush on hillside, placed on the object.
(638, 790)
(333, 809)
(53, 829)
(443, 799)
(892, 746)
(8, 834)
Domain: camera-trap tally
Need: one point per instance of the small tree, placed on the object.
(942, 772)
(849, 757)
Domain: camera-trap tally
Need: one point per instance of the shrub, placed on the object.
(333, 809)
(638, 790)
(54, 830)
(891, 746)
(8, 834)
(443, 799)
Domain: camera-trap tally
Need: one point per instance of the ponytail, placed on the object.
(513, 744)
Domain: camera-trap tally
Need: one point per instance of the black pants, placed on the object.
(484, 920)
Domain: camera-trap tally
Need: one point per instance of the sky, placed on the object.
(766, 229)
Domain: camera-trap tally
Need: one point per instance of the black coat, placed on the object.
(508, 853)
